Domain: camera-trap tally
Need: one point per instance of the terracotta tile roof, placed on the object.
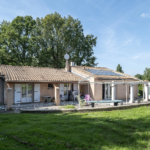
(82, 70)
(36, 74)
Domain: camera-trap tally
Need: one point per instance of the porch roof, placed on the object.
(36, 74)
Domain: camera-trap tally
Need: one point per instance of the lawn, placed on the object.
(126, 129)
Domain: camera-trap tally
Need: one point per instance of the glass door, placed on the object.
(29, 92)
(24, 93)
(66, 91)
(106, 91)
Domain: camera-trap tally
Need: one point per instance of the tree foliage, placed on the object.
(43, 42)
(17, 41)
(147, 74)
(119, 68)
(139, 76)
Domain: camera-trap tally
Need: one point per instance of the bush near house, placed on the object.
(126, 129)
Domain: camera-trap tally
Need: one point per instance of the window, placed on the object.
(50, 86)
(65, 89)
(29, 90)
(23, 90)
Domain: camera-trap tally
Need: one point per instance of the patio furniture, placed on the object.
(49, 99)
(75, 96)
(88, 98)
(46, 98)
(81, 101)
(62, 97)
(106, 101)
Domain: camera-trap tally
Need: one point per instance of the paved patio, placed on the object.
(52, 106)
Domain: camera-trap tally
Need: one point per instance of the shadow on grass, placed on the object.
(93, 130)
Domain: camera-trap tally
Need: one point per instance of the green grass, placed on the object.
(118, 130)
(68, 107)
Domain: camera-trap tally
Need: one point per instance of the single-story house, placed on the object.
(24, 84)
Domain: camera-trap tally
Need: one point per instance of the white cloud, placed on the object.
(136, 56)
(142, 56)
(145, 15)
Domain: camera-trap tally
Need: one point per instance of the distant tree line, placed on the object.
(43, 42)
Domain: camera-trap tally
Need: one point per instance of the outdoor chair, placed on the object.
(62, 97)
(88, 98)
(75, 96)
(81, 101)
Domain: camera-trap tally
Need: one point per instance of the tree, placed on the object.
(57, 36)
(147, 74)
(140, 87)
(17, 42)
(43, 42)
(139, 76)
(119, 69)
(3, 40)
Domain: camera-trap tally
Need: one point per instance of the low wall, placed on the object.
(122, 107)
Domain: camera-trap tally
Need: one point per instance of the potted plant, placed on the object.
(138, 100)
(53, 99)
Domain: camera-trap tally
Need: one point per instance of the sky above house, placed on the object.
(122, 27)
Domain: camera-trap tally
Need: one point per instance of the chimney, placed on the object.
(67, 66)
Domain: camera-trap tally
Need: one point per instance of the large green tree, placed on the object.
(57, 36)
(43, 42)
(147, 74)
(119, 68)
(140, 87)
(17, 41)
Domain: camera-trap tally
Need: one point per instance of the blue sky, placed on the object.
(121, 26)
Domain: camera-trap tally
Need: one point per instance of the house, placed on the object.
(24, 84)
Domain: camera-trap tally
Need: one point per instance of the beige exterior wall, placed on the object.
(44, 91)
(1, 91)
(121, 91)
(98, 91)
(6, 93)
(84, 89)
(95, 90)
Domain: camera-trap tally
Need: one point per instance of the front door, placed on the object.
(24, 93)
(103, 91)
(27, 93)
(64, 90)
(106, 91)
